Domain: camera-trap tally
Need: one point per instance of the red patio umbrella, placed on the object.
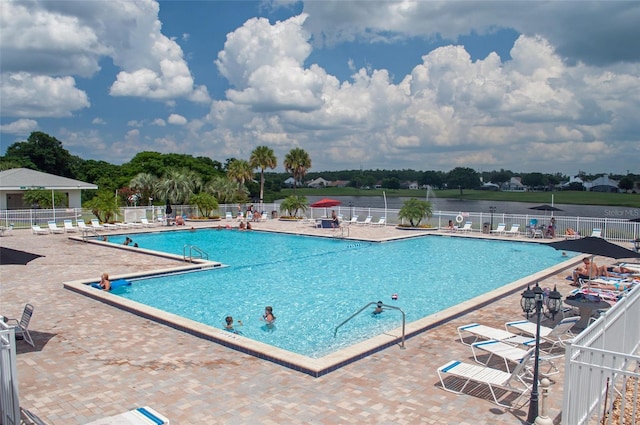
(325, 203)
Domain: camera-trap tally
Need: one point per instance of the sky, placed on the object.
(424, 85)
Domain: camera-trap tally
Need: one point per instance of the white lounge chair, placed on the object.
(484, 332)
(146, 223)
(466, 227)
(69, 227)
(596, 233)
(353, 220)
(507, 352)
(110, 226)
(366, 221)
(228, 216)
(140, 416)
(494, 378)
(95, 224)
(264, 217)
(558, 335)
(6, 230)
(53, 227)
(22, 326)
(501, 229)
(381, 222)
(37, 230)
(514, 231)
(82, 225)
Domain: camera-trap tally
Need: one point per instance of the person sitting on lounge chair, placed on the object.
(451, 227)
(587, 270)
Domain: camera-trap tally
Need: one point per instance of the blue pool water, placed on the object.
(314, 284)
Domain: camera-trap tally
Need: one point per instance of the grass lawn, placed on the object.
(563, 197)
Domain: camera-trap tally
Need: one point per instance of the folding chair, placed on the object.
(22, 326)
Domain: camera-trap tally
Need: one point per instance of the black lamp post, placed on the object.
(533, 300)
(492, 210)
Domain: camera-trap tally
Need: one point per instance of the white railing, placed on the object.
(9, 401)
(613, 229)
(602, 367)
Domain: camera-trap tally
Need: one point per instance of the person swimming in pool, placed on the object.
(268, 316)
(105, 284)
(378, 309)
(229, 325)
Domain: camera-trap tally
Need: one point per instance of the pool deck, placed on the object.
(93, 360)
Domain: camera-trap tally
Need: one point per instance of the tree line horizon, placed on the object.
(179, 177)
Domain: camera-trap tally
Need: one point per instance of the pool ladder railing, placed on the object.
(335, 332)
(192, 249)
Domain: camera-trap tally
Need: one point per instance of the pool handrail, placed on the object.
(335, 332)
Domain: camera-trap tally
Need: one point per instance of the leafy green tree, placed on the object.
(297, 162)
(432, 178)
(104, 206)
(415, 210)
(391, 183)
(205, 202)
(534, 180)
(263, 157)
(626, 183)
(240, 171)
(464, 178)
(293, 204)
(44, 152)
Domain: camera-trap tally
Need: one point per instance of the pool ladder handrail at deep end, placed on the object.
(192, 248)
(335, 332)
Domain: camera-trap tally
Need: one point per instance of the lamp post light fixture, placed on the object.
(533, 301)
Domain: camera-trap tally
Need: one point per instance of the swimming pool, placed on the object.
(314, 284)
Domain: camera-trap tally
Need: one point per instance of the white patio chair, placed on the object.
(22, 326)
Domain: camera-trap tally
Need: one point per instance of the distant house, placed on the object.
(409, 185)
(573, 180)
(489, 186)
(290, 181)
(514, 185)
(16, 181)
(339, 183)
(318, 183)
(603, 184)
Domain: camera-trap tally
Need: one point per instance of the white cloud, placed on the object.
(98, 121)
(176, 119)
(449, 111)
(159, 122)
(43, 38)
(27, 95)
(20, 127)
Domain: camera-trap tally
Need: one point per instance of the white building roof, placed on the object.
(24, 179)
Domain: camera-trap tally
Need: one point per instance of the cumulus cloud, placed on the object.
(159, 122)
(26, 95)
(20, 127)
(449, 111)
(57, 40)
(176, 119)
(98, 121)
(579, 33)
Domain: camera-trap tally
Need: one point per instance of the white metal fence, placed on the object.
(613, 229)
(602, 368)
(9, 401)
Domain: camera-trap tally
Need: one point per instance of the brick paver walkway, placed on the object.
(93, 360)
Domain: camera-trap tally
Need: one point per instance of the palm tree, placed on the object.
(297, 162)
(222, 188)
(263, 157)
(240, 171)
(177, 185)
(415, 210)
(145, 183)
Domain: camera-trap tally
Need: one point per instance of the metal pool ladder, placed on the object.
(335, 332)
(192, 249)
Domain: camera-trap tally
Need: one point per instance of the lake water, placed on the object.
(446, 204)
